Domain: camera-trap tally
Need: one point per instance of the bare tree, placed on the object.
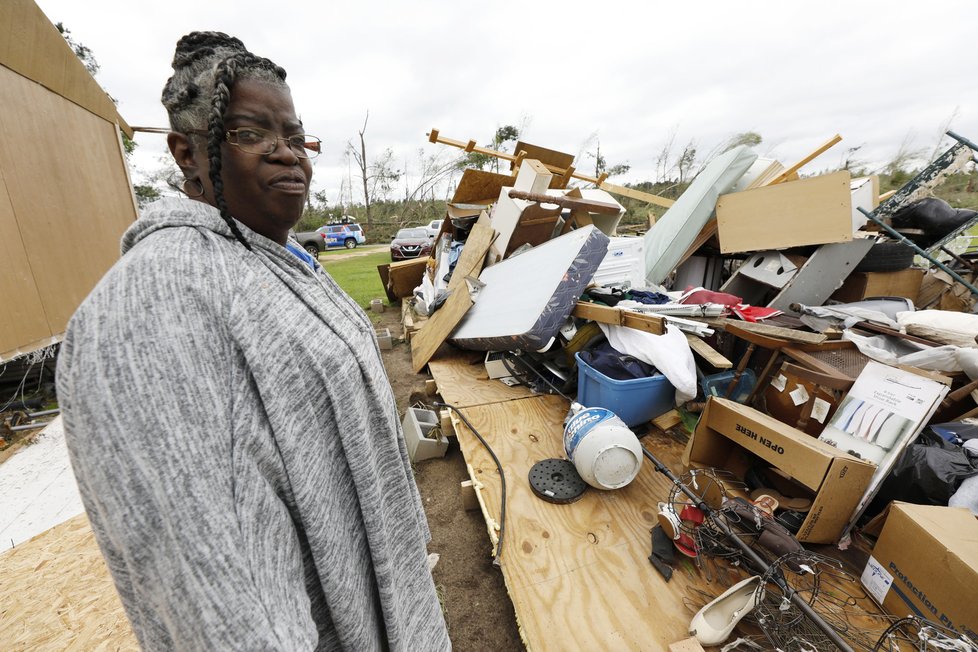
(379, 176)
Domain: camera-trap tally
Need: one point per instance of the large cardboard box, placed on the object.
(727, 431)
(925, 562)
(860, 285)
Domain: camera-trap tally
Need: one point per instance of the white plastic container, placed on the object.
(604, 450)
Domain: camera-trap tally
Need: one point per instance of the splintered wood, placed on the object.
(56, 594)
(578, 574)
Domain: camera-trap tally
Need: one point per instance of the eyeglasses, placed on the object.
(255, 140)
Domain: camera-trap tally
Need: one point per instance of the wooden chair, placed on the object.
(754, 340)
(827, 387)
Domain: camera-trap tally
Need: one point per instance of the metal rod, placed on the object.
(899, 236)
(32, 426)
(44, 413)
(753, 557)
(962, 140)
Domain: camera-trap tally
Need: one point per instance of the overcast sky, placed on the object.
(630, 74)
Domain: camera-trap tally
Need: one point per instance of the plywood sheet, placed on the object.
(479, 186)
(817, 210)
(546, 156)
(578, 574)
(22, 315)
(57, 594)
(32, 46)
(66, 181)
(463, 381)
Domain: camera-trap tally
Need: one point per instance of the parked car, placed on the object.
(313, 242)
(433, 228)
(343, 235)
(411, 243)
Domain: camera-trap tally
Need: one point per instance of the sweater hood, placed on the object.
(171, 212)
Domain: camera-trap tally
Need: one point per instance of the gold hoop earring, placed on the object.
(193, 195)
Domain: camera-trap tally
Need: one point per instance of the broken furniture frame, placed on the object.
(566, 174)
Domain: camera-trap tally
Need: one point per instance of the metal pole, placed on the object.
(798, 601)
(899, 236)
(962, 140)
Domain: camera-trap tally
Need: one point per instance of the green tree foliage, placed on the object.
(84, 53)
(505, 134)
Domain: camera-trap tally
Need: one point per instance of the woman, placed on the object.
(229, 420)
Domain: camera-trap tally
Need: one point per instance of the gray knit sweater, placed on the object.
(238, 449)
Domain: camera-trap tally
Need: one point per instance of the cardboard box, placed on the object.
(860, 285)
(926, 563)
(728, 430)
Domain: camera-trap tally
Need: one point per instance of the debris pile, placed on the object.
(818, 340)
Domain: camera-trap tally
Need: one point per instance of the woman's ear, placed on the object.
(183, 151)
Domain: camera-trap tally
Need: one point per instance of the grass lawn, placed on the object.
(358, 275)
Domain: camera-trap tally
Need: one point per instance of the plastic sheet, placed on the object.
(929, 473)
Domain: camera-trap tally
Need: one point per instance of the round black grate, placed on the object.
(556, 481)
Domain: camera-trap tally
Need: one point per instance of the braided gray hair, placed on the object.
(205, 67)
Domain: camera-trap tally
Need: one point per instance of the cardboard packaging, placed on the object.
(926, 563)
(860, 285)
(727, 431)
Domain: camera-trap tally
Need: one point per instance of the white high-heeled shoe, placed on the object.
(713, 623)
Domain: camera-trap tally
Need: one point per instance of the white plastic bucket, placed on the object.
(605, 452)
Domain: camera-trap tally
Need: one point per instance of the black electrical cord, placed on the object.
(502, 479)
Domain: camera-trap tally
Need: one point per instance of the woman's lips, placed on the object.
(289, 185)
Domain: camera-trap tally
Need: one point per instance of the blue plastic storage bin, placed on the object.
(634, 401)
(717, 384)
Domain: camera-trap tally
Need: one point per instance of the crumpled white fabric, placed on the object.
(893, 351)
(669, 353)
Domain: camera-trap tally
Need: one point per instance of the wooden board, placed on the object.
(707, 352)
(57, 594)
(790, 334)
(479, 186)
(32, 46)
(817, 210)
(463, 382)
(618, 317)
(441, 324)
(65, 203)
(405, 275)
(578, 574)
(547, 156)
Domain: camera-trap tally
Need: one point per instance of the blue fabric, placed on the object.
(302, 255)
(649, 298)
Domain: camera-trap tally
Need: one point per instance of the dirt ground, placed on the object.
(477, 607)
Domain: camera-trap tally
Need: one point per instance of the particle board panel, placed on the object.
(66, 179)
(578, 574)
(32, 46)
(547, 156)
(817, 210)
(440, 325)
(57, 594)
(478, 186)
(22, 317)
(463, 381)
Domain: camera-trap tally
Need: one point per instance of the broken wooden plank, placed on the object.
(793, 170)
(670, 419)
(707, 352)
(620, 317)
(632, 193)
(790, 334)
(440, 325)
